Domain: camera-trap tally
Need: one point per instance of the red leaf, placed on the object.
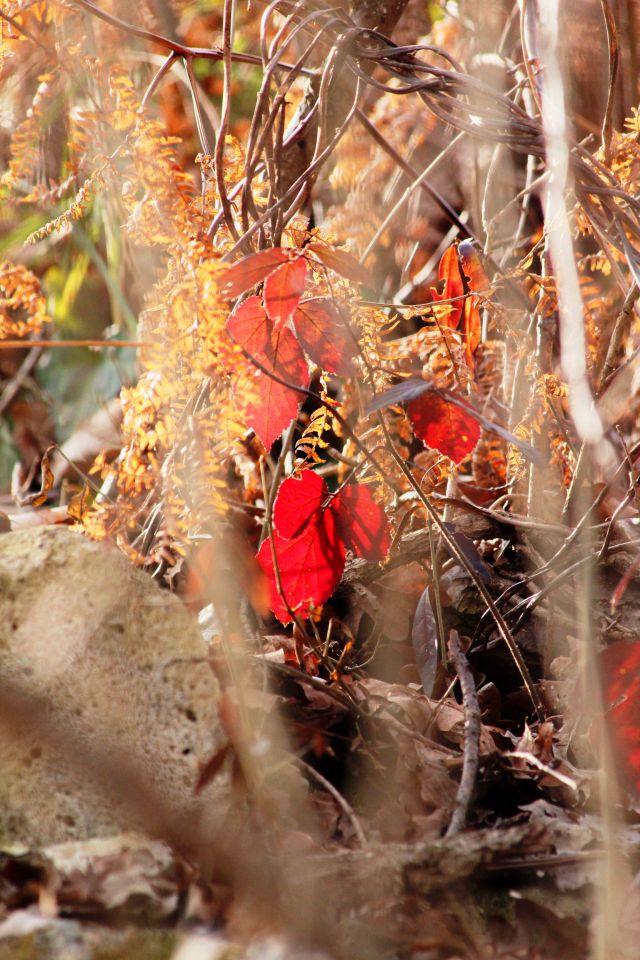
(477, 280)
(283, 289)
(362, 522)
(324, 336)
(271, 412)
(269, 406)
(471, 327)
(453, 287)
(621, 677)
(310, 566)
(297, 501)
(444, 426)
(415, 388)
(341, 262)
(464, 314)
(249, 326)
(251, 270)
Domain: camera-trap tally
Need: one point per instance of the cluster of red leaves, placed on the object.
(442, 425)
(312, 531)
(280, 330)
(279, 334)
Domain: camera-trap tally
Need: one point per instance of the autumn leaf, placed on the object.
(251, 270)
(424, 639)
(362, 522)
(311, 536)
(310, 566)
(415, 387)
(297, 501)
(472, 268)
(471, 328)
(620, 668)
(461, 313)
(324, 336)
(268, 405)
(341, 262)
(452, 287)
(443, 426)
(249, 326)
(283, 289)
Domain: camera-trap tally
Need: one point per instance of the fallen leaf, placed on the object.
(46, 483)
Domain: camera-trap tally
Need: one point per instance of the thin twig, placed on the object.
(614, 56)
(21, 374)
(225, 114)
(620, 329)
(179, 49)
(471, 754)
(339, 799)
(63, 344)
(197, 111)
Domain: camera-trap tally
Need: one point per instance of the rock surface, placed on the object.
(117, 663)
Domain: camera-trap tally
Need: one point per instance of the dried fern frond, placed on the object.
(321, 422)
(23, 309)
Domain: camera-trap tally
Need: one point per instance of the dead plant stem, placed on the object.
(472, 717)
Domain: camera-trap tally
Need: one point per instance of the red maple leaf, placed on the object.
(324, 336)
(443, 426)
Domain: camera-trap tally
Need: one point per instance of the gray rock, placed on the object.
(118, 665)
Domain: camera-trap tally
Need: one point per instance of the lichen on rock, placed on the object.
(120, 666)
